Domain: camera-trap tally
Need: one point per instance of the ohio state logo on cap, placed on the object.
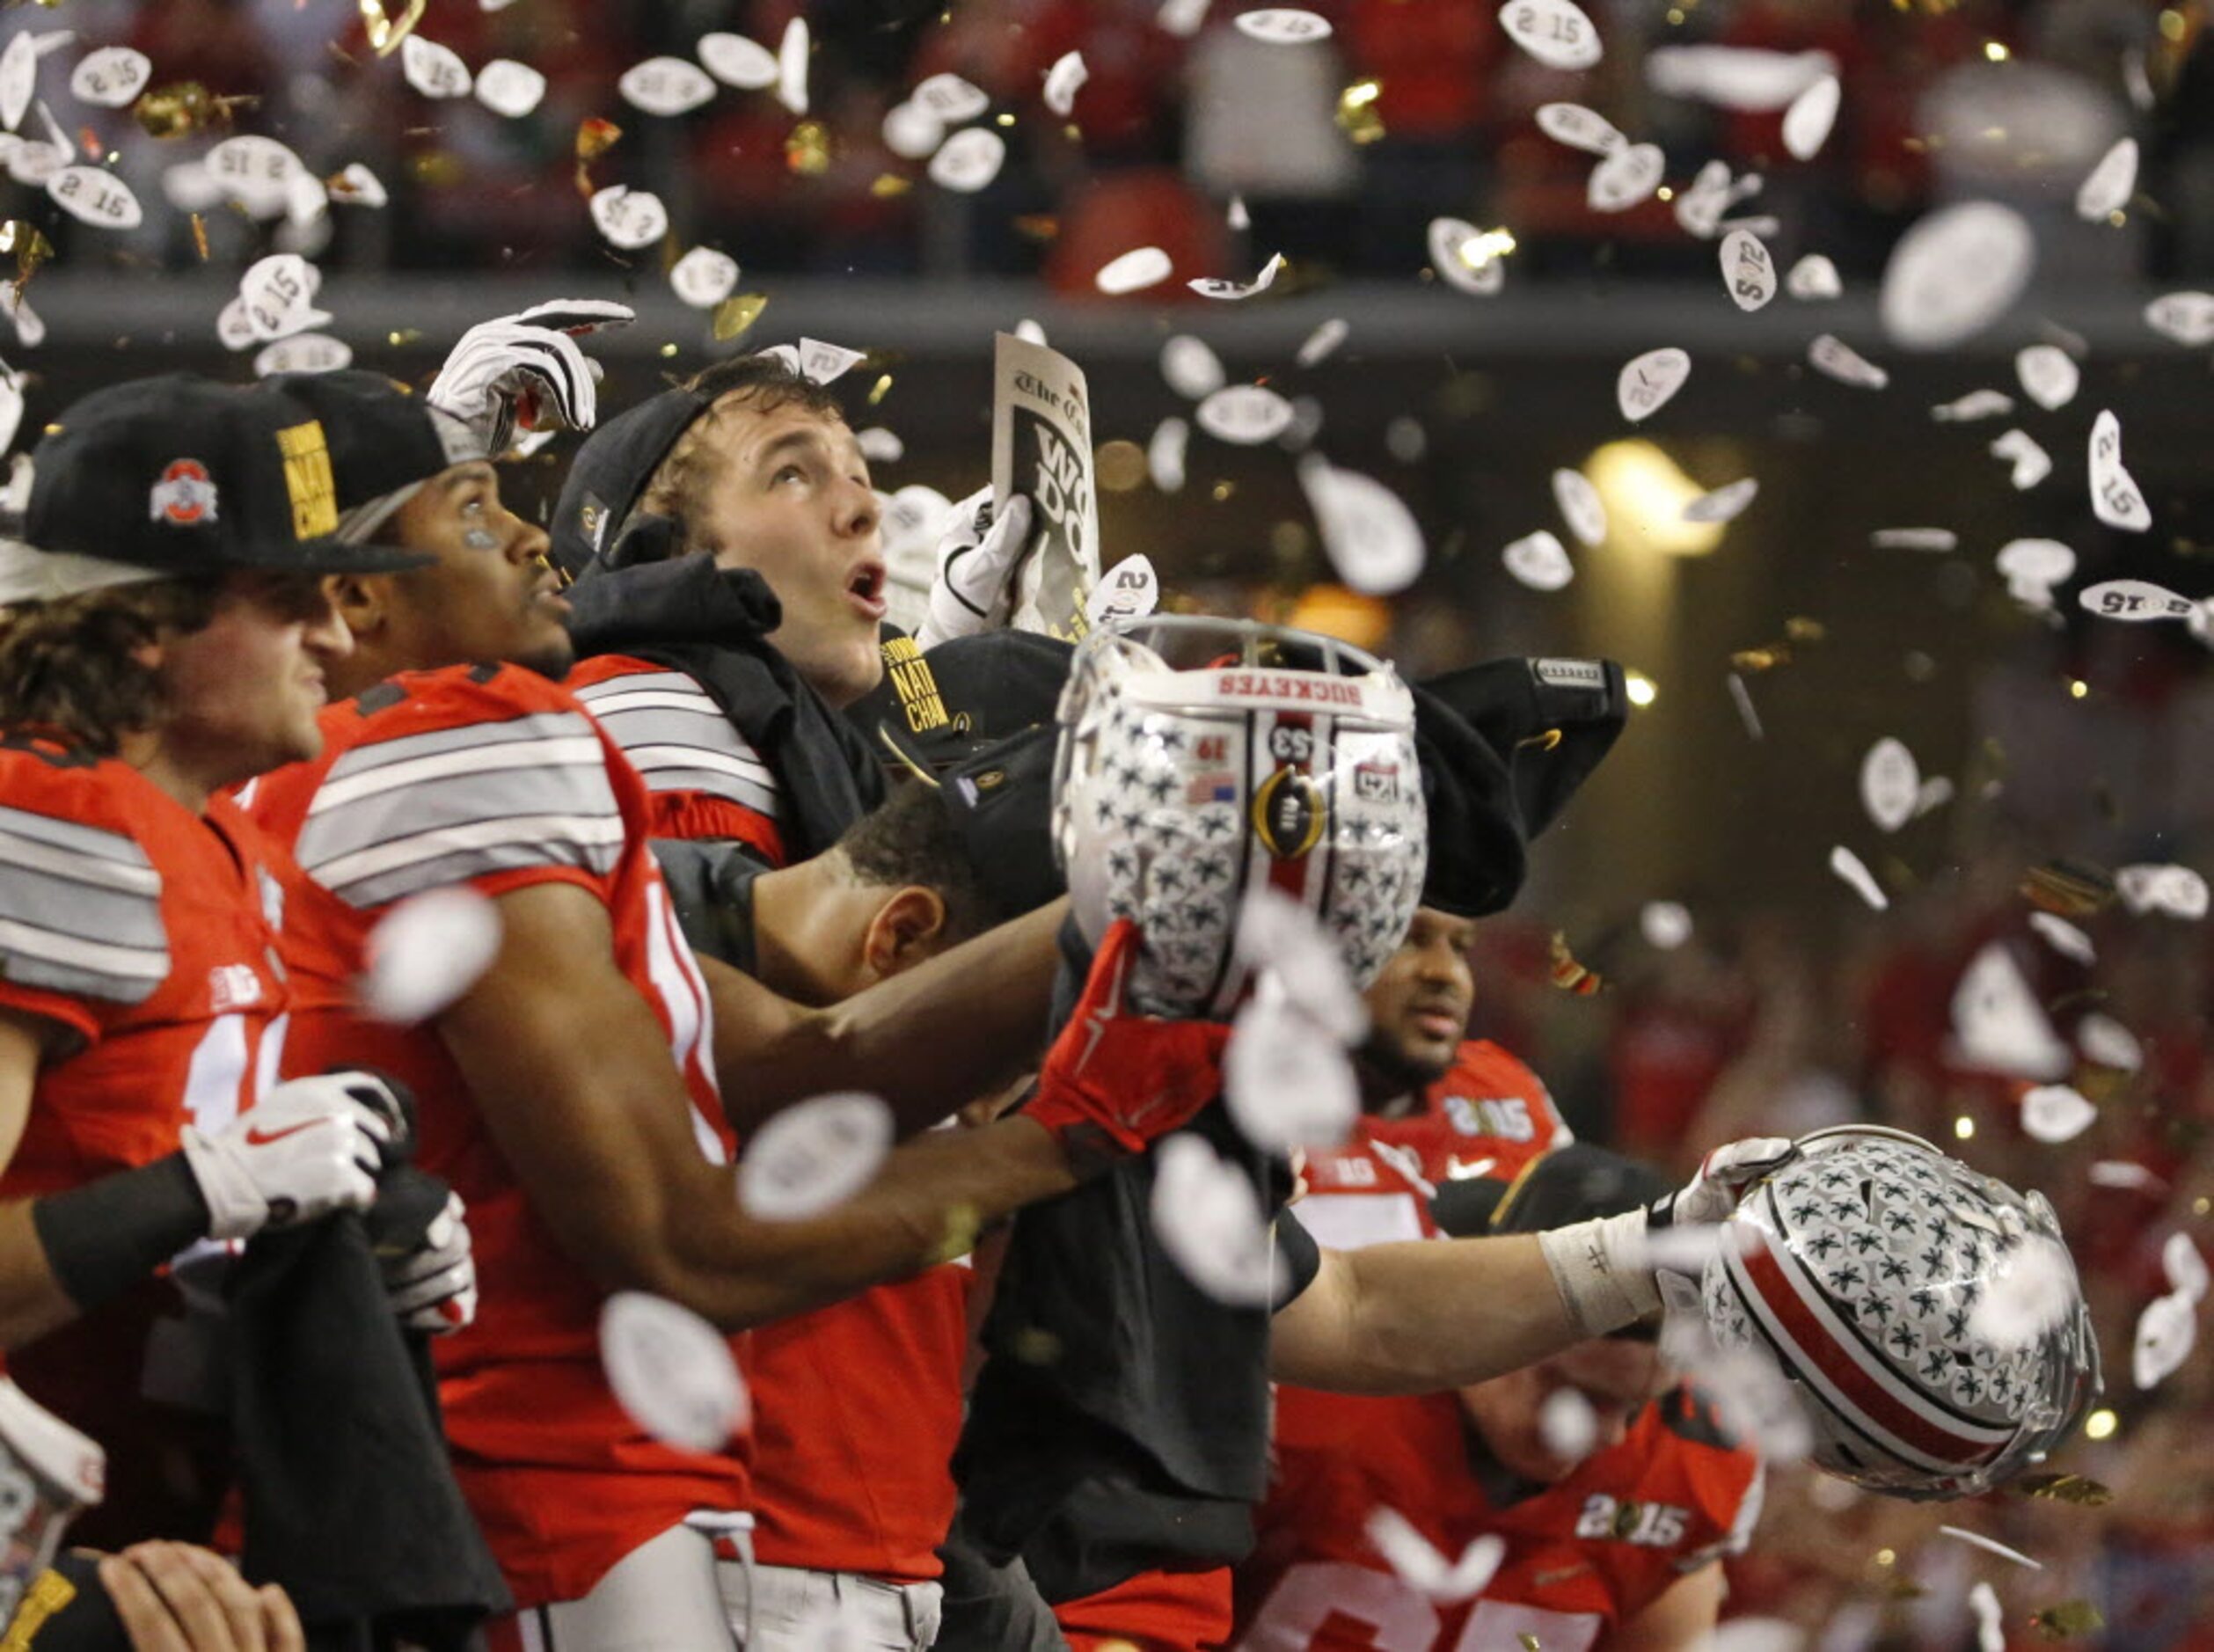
(184, 495)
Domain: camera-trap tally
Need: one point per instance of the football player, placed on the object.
(1614, 1491)
(164, 634)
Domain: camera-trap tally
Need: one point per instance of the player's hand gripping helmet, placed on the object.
(1861, 1269)
(1201, 758)
(48, 1472)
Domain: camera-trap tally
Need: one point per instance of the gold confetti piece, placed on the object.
(889, 185)
(384, 35)
(179, 110)
(200, 236)
(735, 314)
(1357, 116)
(878, 391)
(594, 136)
(2069, 888)
(2071, 1488)
(1038, 226)
(1529, 1642)
(399, 336)
(2069, 1618)
(807, 151)
(1799, 628)
(1903, 1589)
(31, 248)
(1752, 659)
(1567, 974)
(963, 1222)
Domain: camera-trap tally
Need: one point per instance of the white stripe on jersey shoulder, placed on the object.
(679, 740)
(80, 909)
(447, 855)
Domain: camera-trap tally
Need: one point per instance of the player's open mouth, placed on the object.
(1436, 1023)
(866, 589)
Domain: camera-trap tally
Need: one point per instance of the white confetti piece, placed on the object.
(2185, 318)
(1934, 539)
(1287, 1082)
(434, 71)
(1891, 782)
(1063, 80)
(111, 76)
(2032, 567)
(1935, 793)
(1726, 503)
(30, 329)
(1465, 257)
(258, 171)
(279, 294)
(1419, 1565)
(1235, 218)
(1665, 924)
(32, 163)
(2032, 465)
(2063, 937)
(2106, 1043)
(1747, 270)
(1209, 1219)
(1245, 415)
(1833, 358)
(1954, 272)
(791, 66)
(18, 73)
(1990, 1628)
(1581, 506)
(671, 1372)
(1807, 122)
(306, 199)
(1758, 1635)
(1998, 1025)
(1538, 560)
(1579, 127)
(2049, 376)
(1849, 866)
(1181, 17)
(2055, 1113)
(1735, 77)
(2110, 184)
(1283, 26)
(2185, 1268)
(1134, 271)
(1212, 287)
(95, 196)
(359, 186)
(1192, 370)
(304, 353)
(629, 218)
(666, 86)
(1978, 403)
(1626, 177)
(704, 277)
(511, 89)
(1320, 345)
(814, 1157)
(953, 100)
(820, 363)
(11, 405)
(1405, 440)
(2120, 1172)
(738, 61)
(1129, 591)
(1567, 1425)
(2178, 891)
(2136, 601)
(1370, 535)
(912, 132)
(2166, 1331)
(968, 160)
(2032, 1291)
(2116, 499)
(1813, 279)
(427, 951)
(880, 446)
(1646, 383)
(1990, 1546)
(234, 327)
(1164, 454)
(1556, 33)
(1700, 209)
(1747, 713)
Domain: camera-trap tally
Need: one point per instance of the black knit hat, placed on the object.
(606, 478)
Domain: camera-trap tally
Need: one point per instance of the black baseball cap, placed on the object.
(937, 708)
(1000, 797)
(1575, 1182)
(1478, 854)
(179, 475)
(385, 441)
(608, 474)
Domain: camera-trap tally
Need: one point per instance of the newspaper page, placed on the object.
(1042, 446)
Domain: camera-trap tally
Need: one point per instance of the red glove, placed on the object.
(1115, 1084)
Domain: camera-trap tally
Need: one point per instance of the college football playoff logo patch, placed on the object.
(185, 496)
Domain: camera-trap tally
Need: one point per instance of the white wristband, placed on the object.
(1600, 1270)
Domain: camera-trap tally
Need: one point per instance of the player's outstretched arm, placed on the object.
(574, 1077)
(1683, 1618)
(928, 1040)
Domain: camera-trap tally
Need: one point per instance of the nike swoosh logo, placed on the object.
(1456, 1171)
(258, 1136)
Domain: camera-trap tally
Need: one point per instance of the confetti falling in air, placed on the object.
(1245, 415)
(1556, 33)
(1854, 871)
(2107, 190)
(1581, 506)
(814, 1157)
(672, 1371)
(1538, 560)
(1991, 1545)
(1646, 383)
(2049, 376)
(1813, 279)
(1812, 114)
(1416, 1562)
(1665, 924)
(2187, 318)
(1208, 1220)
(1954, 272)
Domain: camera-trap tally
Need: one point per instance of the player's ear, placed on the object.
(361, 600)
(908, 928)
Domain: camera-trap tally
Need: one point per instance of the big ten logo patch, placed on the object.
(308, 480)
(1652, 1525)
(912, 680)
(1504, 1116)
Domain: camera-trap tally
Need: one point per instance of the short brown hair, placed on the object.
(910, 838)
(680, 483)
(66, 666)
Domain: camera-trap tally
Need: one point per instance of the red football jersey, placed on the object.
(705, 779)
(497, 779)
(149, 931)
(1489, 1116)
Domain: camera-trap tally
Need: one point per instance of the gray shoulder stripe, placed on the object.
(469, 797)
(533, 726)
(680, 682)
(62, 905)
(448, 855)
(36, 957)
(76, 837)
(680, 777)
(37, 858)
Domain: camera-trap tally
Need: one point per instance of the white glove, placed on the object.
(1721, 1178)
(311, 1146)
(526, 369)
(977, 557)
(432, 1287)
